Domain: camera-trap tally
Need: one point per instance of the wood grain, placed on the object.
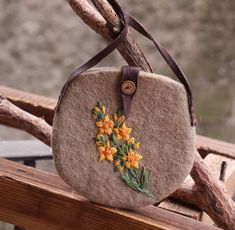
(39, 200)
(206, 145)
(39, 106)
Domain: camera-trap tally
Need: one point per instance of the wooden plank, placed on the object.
(39, 106)
(181, 208)
(206, 145)
(39, 200)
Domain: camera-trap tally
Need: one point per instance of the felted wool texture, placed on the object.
(159, 119)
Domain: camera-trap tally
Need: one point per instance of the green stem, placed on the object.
(149, 194)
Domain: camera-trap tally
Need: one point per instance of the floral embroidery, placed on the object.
(106, 151)
(105, 126)
(123, 132)
(115, 144)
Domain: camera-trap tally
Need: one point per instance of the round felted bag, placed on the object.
(124, 137)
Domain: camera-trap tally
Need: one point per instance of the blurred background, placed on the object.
(41, 42)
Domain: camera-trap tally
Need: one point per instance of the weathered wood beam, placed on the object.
(36, 199)
(206, 145)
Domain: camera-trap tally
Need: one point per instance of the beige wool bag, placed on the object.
(124, 137)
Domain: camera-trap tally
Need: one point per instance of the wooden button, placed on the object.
(128, 87)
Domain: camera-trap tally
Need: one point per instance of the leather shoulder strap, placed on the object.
(126, 19)
(131, 21)
(102, 54)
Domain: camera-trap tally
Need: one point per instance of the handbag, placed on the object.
(123, 137)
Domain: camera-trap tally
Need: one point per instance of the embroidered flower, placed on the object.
(122, 133)
(106, 152)
(137, 146)
(114, 144)
(132, 159)
(105, 125)
(131, 140)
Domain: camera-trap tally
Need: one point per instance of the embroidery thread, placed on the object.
(115, 144)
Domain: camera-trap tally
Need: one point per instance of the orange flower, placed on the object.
(123, 132)
(105, 125)
(106, 152)
(132, 159)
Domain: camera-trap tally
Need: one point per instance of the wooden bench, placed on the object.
(35, 199)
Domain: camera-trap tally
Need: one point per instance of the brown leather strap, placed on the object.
(101, 55)
(129, 86)
(129, 20)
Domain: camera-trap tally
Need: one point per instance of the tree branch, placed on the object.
(210, 194)
(13, 116)
(129, 49)
(90, 16)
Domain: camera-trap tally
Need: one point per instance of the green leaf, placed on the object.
(116, 168)
(102, 138)
(132, 174)
(118, 124)
(114, 139)
(120, 151)
(100, 104)
(112, 144)
(97, 138)
(119, 113)
(144, 178)
(122, 163)
(124, 148)
(100, 115)
(134, 185)
(117, 157)
(130, 183)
